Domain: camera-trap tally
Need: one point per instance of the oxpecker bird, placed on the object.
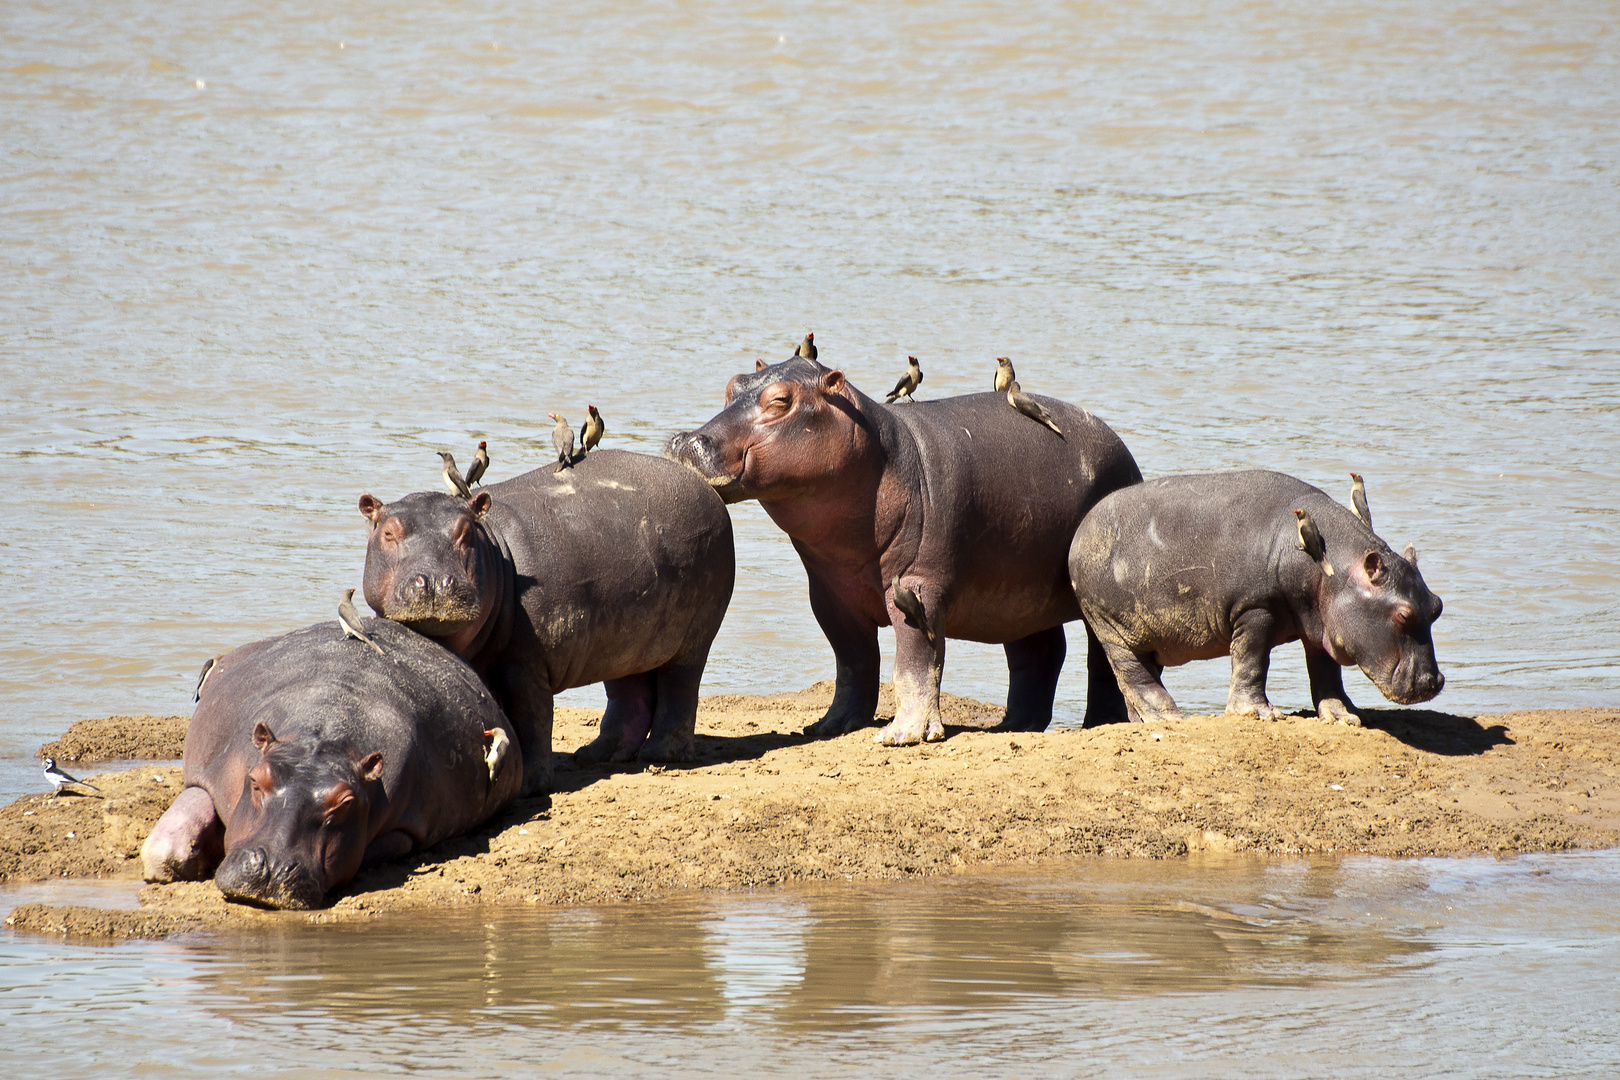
(480, 464)
(908, 382)
(349, 619)
(1311, 542)
(1358, 499)
(202, 676)
(807, 347)
(590, 432)
(453, 483)
(909, 604)
(1005, 376)
(1030, 407)
(562, 439)
(495, 753)
(59, 778)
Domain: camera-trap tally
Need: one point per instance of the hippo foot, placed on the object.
(602, 749)
(1013, 723)
(667, 748)
(1147, 715)
(1260, 710)
(837, 723)
(909, 733)
(1337, 711)
(536, 780)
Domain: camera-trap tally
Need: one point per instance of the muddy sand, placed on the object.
(764, 804)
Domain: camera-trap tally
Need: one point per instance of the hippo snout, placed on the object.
(1411, 682)
(251, 875)
(699, 453)
(435, 605)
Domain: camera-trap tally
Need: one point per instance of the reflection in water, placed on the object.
(1360, 967)
(824, 958)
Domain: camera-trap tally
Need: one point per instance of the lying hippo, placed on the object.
(1192, 567)
(311, 755)
(966, 501)
(617, 570)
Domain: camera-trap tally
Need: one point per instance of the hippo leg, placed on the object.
(854, 643)
(918, 665)
(1105, 704)
(1146, 699)
(1251, 659)
(188, 841)
(674, 718)
(1327, 688)
(625, 721)
(528, 704)
(1033, 666)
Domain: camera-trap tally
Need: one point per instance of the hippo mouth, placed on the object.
(437, 617)
(250, 876)
(698, 453)
(1406, 687)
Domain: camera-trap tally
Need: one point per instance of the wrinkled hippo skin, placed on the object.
(616, 570)
(970, 503)
(310, 756)
(1192, 567)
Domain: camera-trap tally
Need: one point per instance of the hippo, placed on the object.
(1192, 567)
(616, 570)
(311, 755)
(961, 504)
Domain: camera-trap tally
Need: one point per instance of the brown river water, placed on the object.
(256, 259)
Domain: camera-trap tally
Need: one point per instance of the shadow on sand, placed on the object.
(1437, 732)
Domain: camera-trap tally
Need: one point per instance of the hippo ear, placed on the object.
(1372, 564)
(371, 509)
(1410, 554)
(760, 365)
(370, 767)
(263, 737)
(832, 382)
(480, 505)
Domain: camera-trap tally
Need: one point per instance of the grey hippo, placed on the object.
(964, 501)
(1193, 567)
(311, 755)
(618, 570)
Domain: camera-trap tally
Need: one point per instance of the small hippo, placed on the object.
(1192, 567)
(312, 755)
(962, 507)
(617, 570)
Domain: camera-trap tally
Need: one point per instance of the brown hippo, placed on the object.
(965, 502)
(617, 570)
(310, 755)
(1193, 567)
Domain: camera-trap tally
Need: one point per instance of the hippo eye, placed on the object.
(338, 813)
(1402, 617)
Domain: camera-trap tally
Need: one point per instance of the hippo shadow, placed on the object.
(394, 873)
(707, 751)
(1435, 732)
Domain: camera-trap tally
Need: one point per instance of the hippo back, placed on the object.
(621, 562)
(418, 704)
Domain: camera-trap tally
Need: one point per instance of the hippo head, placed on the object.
(429, 564)
(785, 428)
(1377, 614)
(299, 827)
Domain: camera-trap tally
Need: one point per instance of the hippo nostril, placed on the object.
(421, 582)
(448, 581)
